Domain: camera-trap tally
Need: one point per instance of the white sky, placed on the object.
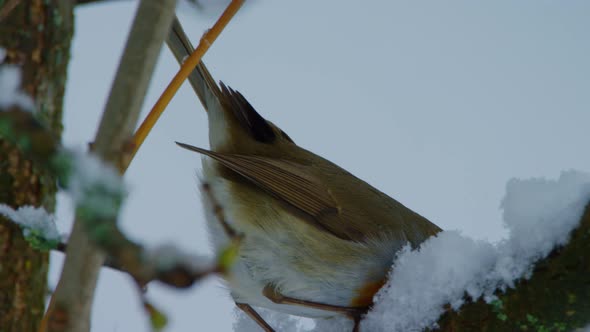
(436, 104)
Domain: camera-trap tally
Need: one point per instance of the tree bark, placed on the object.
(555, 298)
(36, 35)
(70, 306)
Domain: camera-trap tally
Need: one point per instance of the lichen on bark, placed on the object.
(36, 35)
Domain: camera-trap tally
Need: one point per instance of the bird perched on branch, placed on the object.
(317, 241)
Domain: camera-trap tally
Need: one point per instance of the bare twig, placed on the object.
(7, 8)
(219, 214)
(187, 67)
(109, 262)
(85, 2)
(69, 309)
(177, 270)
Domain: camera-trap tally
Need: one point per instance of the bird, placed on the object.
(315, 240)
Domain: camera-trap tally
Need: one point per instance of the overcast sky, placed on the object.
(437, 104)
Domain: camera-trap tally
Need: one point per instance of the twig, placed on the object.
(176, 270)
(108, 262)
(69, 309)
(85, 2)
(188, 66)
(219, 214)
(7, 8)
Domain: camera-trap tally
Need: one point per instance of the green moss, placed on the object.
(498, 309)
(24, 268)
(37, 240)
(571, 298)
(533, 323)
(6, 131)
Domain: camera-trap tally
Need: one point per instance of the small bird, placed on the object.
(316, 240)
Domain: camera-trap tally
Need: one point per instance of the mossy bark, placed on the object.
(555, 298)
(36, 36)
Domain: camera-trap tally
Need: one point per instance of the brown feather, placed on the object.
(285, 180)
(246, 115)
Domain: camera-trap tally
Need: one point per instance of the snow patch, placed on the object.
(10, 93)
(94, 185)
(539, 215)
(33, 220)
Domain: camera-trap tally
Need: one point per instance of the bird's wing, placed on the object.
(288, 182)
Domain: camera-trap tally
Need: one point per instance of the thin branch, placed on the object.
(187, 67)
(108, 262)
(69, 309)
(36, 142)
(178, 271)
(219, 214)
(7, 8)
(85, 2)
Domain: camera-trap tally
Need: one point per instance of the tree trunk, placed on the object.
(36, 35)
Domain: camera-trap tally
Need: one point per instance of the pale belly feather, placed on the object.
(278, 249)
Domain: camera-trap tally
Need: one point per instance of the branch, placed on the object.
(7, 8)
(187, 67)
(196, 3)
(555, 298)
(69, 309)
(165, 264)
(85, 2)
(179, 270)
(535, 279)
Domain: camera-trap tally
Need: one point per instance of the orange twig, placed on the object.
(187, 67)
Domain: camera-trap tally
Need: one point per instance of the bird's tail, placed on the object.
(200, 79)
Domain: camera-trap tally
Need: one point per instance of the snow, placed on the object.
(539, 215)
(33, 221)
(10, 80)
(94, 185)
(423, 281)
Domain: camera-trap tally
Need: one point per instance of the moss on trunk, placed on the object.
(36, 35)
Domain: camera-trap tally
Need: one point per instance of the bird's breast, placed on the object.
(281, 250)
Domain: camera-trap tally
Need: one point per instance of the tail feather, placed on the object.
(200, 79)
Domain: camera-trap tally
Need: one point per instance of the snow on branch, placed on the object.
(38, 225)
(98, 192)
(450, 269)
(537, 279)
